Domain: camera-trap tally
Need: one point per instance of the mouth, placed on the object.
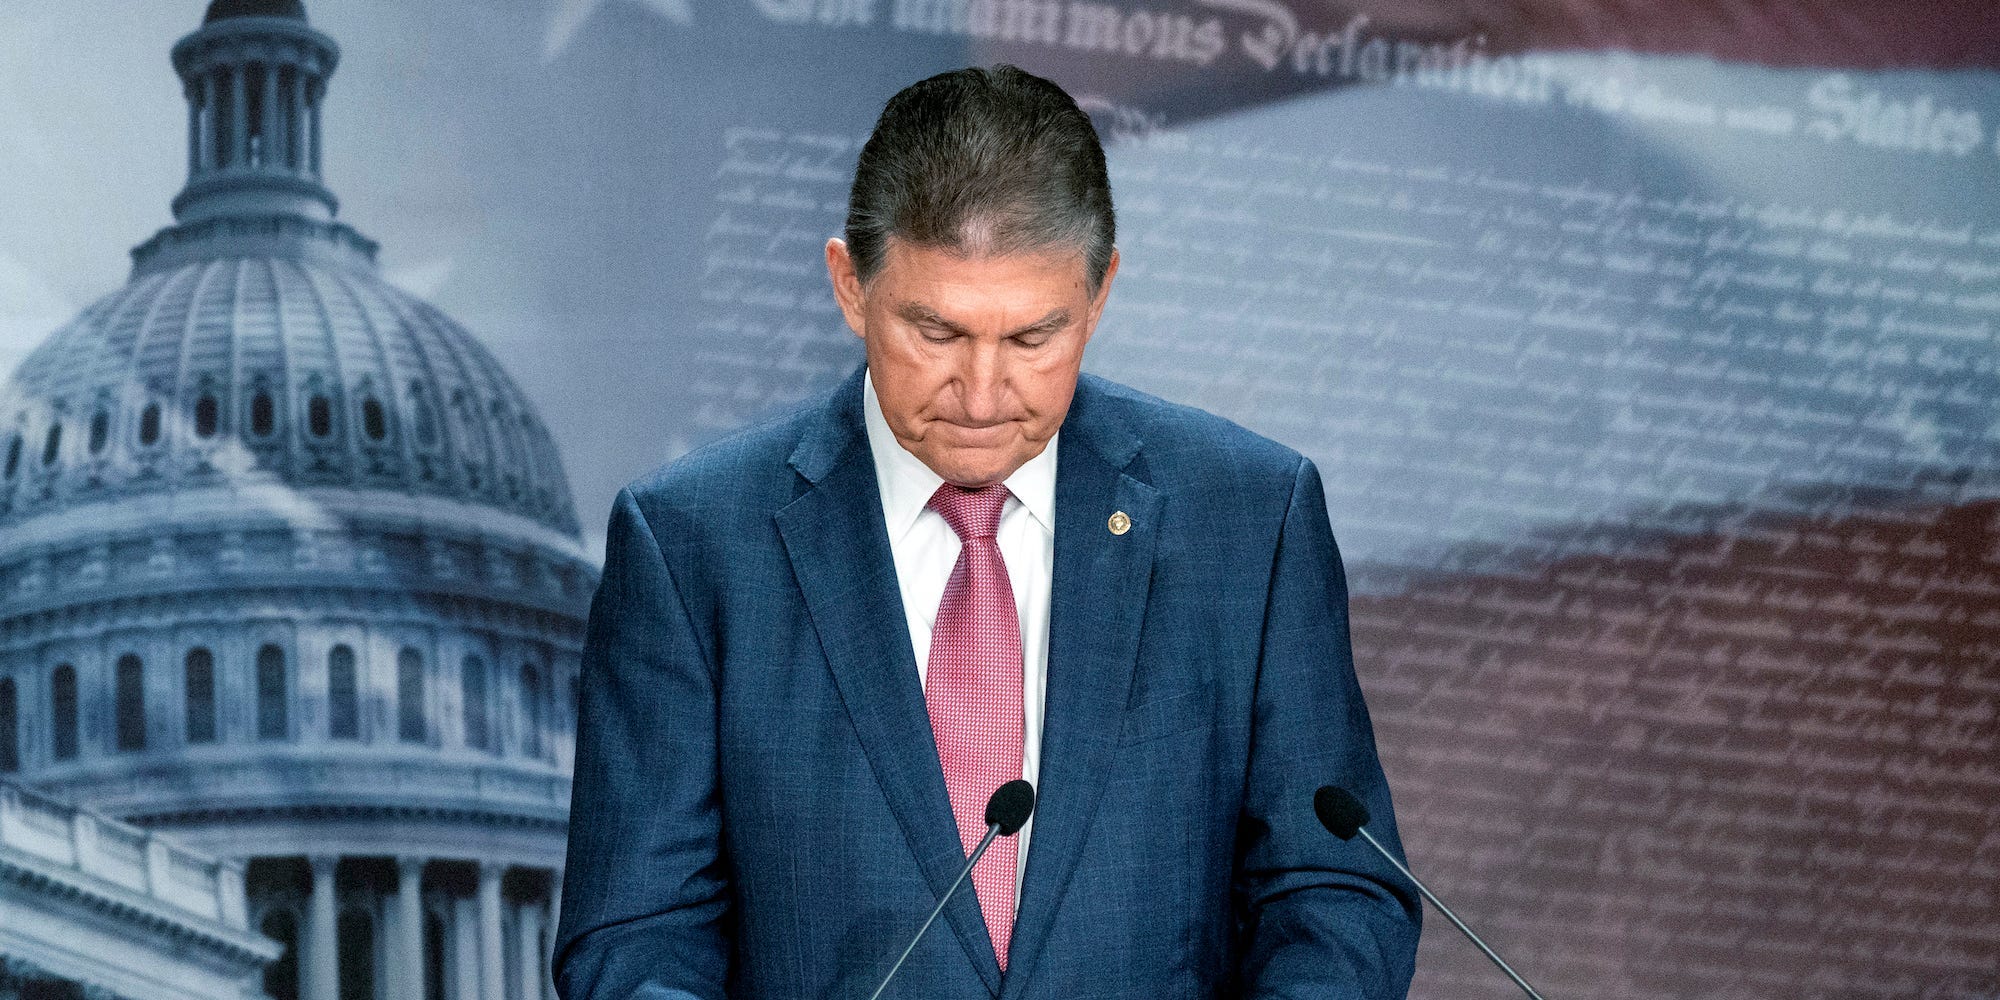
(978, 432)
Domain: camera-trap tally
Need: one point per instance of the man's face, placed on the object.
(974, 359)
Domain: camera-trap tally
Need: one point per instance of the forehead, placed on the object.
(912, 264)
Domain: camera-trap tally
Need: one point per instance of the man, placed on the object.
(820, 644)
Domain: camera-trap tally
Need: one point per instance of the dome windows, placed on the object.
(319, 415)
(259, 410)
(531, 710)
(62, 709)
(374, 422)
(263, 413)
(199, 695)
(100, 430)
(121, 720)
(10, 743)
(149, 425)
(248, 348)
(319, 408)
(410, 695)
(472, 690)
(207, 415)
(343, 699)
(272, 705)
(130, 694)
(371, 415)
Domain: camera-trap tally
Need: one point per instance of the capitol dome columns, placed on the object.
(322, 951)
(409, 953)
(492, 973)
(254, 87)
(476, 928)
(528, 928)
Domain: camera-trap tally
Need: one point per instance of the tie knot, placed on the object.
(971, 513)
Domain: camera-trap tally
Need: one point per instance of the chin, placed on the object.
(975, 482)
(966, 473)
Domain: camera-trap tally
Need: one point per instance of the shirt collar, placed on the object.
(907, 483)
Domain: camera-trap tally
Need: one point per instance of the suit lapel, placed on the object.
(1097, 604)
(839, 549)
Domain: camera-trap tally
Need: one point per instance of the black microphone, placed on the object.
(1006, 812)
(1343, 815)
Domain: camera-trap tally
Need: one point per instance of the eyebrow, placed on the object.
(918, 313)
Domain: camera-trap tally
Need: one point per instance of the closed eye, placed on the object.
(938, 330)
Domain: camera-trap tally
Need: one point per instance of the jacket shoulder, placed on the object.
(741, 471)
(1180, 439)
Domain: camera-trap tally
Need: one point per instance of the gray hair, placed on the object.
(983, 161)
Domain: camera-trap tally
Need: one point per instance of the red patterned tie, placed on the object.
(972, 687)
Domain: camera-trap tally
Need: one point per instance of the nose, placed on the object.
(982, 382)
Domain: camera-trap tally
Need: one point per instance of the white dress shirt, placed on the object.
(925, 549)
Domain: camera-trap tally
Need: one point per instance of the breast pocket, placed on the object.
(1167, 715)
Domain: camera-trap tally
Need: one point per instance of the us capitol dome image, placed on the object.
(292, 597)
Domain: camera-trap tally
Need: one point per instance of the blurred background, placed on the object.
(1647, 353)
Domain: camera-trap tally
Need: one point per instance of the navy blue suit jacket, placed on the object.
(759, 811)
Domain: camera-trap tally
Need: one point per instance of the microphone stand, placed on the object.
(1446, 910)
(992, 830)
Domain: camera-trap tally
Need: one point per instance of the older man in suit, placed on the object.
(821, 643)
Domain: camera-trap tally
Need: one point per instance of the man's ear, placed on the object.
(1103, 294)
(846, 285)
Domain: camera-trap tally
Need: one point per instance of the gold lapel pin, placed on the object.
(1119, 523)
